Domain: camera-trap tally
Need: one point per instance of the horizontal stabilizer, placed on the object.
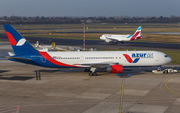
(11, 53)
(17, 58)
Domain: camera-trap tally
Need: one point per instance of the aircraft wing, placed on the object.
(99, 64)
(112, 39)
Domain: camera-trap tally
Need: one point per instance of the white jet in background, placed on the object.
(122, 38)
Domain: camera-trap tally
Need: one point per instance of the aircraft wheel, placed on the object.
(94, 74)
(90, 73)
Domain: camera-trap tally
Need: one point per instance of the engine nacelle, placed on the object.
(107, 40)
(115, 69)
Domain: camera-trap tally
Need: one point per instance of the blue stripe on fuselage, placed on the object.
(129, 36)
(37, 60)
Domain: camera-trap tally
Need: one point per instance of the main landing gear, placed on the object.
(92, 71)
(115, 42)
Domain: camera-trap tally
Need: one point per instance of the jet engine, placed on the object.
(115, 68)
(107, 40)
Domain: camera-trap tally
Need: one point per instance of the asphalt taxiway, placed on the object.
(73, 91)
(101, 45)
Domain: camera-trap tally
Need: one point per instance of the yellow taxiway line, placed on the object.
(169, 88)
(122, 91)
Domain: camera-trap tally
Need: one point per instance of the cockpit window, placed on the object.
(166, 56)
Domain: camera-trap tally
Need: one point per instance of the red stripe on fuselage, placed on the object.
(128, 58)
(11, 39)
(52, 60)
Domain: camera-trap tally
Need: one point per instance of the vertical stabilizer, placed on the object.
(19, 44)
(138, 31)
(137, 34)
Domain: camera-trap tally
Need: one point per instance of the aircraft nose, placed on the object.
(169, 60)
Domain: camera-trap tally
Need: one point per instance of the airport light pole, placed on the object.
(84, 37)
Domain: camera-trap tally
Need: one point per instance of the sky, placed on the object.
(90, 8)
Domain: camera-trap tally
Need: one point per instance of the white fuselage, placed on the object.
(122, 38)
(116, 37)
(143, 58)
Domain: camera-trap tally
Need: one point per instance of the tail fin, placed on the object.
(138, 31)
(137, 34)
(19, 44)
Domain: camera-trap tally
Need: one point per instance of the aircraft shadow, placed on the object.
(128, 72)
(3, 71)
(48, 71)
(20, 78)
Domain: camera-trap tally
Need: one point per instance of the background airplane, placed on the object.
(122, 38)
(112, 61)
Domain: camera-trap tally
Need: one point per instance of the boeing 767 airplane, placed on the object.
(122, 38)
(112, 61)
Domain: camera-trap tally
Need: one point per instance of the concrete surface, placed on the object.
(73, 91)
